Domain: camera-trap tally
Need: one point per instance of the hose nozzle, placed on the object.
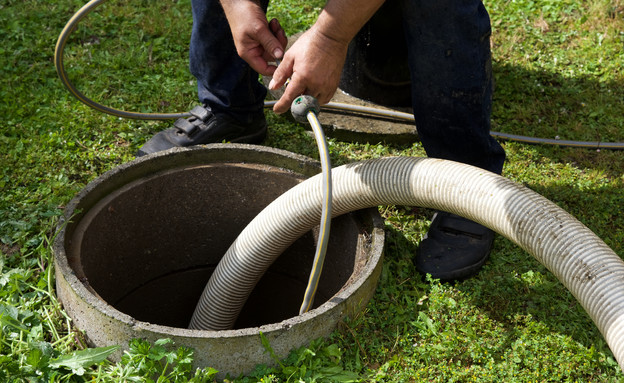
(302, 105)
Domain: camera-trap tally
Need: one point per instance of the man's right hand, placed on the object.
(314, 62)
(314, 65)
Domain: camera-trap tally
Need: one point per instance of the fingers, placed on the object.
(272, 44)
(281, 74)
(314, 67)
(260, 65)
(279, 33)
(258, 54)
(293, 90)
(299, 86)
(257, 41)
(267, 37)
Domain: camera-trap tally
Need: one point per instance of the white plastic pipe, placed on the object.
(588, 268)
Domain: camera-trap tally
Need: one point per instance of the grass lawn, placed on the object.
(558, 69)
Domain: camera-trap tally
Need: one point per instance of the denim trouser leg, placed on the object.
(225, 82)
(451, 68)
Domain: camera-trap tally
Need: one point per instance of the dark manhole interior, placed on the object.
(149, 248)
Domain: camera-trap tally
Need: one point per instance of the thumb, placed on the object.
(271, 44)
(278, 32)
(281, 74)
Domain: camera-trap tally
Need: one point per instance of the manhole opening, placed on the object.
(149, 248)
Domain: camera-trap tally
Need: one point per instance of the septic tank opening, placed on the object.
(137, 245)
(149, 248)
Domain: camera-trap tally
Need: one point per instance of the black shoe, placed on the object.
(204, 127)
(454, 248)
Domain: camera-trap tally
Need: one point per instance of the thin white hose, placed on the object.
(325, 225)
(588, 268)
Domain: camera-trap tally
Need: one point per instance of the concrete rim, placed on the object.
(70, 287)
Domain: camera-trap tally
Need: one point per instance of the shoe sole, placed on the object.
(255, 138)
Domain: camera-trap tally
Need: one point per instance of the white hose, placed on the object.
(588, 268)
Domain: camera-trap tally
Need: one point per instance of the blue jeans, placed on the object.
(450, 66)
(225, 82)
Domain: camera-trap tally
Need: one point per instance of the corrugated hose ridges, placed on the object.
(592, 272)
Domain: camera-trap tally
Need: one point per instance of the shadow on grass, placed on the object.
(550, 105)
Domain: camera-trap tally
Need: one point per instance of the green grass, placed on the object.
(558, 68)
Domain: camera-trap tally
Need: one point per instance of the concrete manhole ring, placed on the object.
(138, 244)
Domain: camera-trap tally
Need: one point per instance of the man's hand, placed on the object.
(314, 64)
(257, 41)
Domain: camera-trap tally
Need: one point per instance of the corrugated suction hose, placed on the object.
(588, 268)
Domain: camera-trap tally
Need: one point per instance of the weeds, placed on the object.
(319, 362)
(159, 362)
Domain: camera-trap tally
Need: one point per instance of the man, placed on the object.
(450, 65)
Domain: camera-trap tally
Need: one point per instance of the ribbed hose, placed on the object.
(590, 270)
